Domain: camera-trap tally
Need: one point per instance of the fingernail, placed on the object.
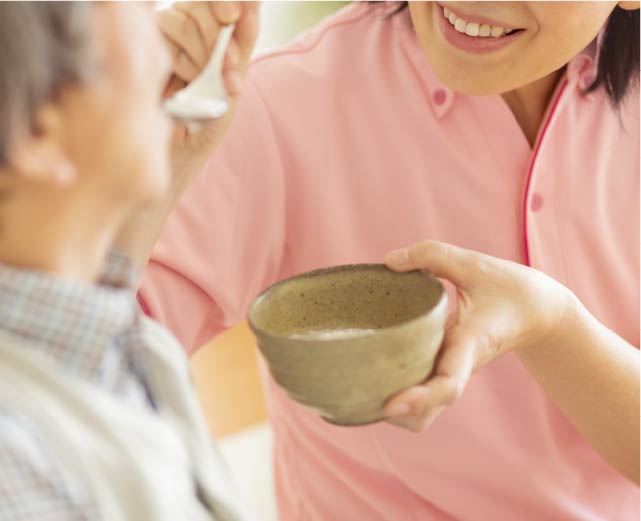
(398, 257)
(228, 11)
(398, 409)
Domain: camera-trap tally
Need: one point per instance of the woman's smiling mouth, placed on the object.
(474, 34)
(475, 29)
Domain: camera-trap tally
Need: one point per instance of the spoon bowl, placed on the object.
(205, 98)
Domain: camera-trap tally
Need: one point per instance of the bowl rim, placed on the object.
(442, 302)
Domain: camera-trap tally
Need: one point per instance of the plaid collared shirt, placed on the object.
(89, 331)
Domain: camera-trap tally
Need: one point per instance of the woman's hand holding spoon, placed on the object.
(192, 30)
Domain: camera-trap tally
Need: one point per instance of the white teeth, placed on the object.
(472, 28)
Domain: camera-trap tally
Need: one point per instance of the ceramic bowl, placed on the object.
(343, 340)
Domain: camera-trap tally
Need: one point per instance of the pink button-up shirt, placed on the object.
(345, 146)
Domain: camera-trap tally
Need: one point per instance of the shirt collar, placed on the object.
(441, 97)
(77, 325)
(581, 70)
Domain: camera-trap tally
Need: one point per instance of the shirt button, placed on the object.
(439, 96)
(537, 203)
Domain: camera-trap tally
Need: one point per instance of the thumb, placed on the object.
(441, 259)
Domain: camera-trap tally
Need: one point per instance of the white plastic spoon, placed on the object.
(205, 97)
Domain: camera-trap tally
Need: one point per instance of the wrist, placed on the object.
(571, 312)
(558, 321)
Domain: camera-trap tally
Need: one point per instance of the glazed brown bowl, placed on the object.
(343, 340)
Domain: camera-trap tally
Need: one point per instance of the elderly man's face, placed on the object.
(116, 132)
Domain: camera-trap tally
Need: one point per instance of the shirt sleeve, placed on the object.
(224, 241)
(32, 485)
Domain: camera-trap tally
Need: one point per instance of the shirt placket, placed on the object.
(538, 208)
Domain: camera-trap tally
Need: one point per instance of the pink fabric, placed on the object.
(345, 146)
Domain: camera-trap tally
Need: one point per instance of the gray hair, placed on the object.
(43, 46)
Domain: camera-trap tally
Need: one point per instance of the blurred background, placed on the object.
(225, 370)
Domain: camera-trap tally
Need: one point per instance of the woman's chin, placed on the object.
(468, 83)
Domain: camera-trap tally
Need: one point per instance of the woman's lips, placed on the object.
(478, 36)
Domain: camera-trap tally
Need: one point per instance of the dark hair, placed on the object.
(618, 60)
(42, 47)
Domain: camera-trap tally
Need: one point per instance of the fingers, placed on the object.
(456, 362)
(404, 403)
(416, 423)
(231, 74)
(225, 12)
(425, 403)
(190, 30)
(184, 69)
(441, 259)
(201, 15)
(246, 31)
(181, 31)
(241, 47)
(232, 56)
(233, 82)
(417, 407)
(174, 85)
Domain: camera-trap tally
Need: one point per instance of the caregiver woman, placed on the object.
(372, 132)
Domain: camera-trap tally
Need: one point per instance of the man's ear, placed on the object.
(39, 155)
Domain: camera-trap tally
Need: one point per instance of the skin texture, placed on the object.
(589, 371)
(548, 45)
(524, 72)
(553, 34)
(190, 30)
(565, 348)
(96, 154)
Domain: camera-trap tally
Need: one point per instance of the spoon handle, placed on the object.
(210, 81)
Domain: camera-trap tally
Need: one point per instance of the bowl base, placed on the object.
(347, 423)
